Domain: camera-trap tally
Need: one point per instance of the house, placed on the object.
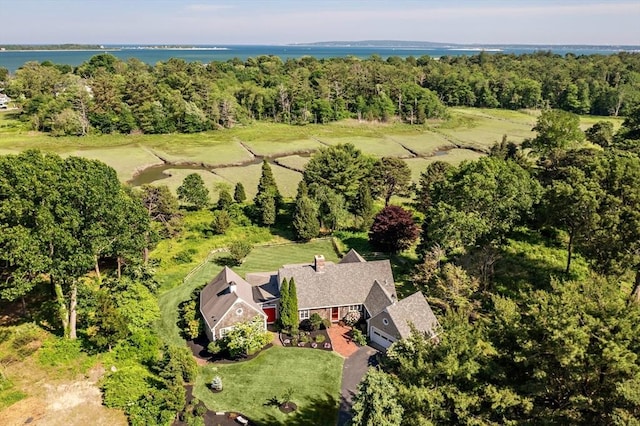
(4, 101)
(328, 289)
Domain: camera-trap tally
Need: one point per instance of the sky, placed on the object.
(615, 22)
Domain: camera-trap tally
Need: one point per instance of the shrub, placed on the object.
(125, 387)
(305, 339)
(320, 338)
(59, 351)
(352, 318)
(215, 347)
(178, 361)
(239, 250)
(306, 325)
(358, 337)
(326, 323)
(185, 256)
(316, 321)
(221, 221)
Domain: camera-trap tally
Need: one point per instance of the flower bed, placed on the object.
(318, 339)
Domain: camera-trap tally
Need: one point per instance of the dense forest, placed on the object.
(107, 95)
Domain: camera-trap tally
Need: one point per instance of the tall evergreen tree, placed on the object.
(363, 206)
(224, 199)
(376, 403)
(194, 191)
(284, 307)
(293, 305)
(268, 197)
(305, 219)
(239, 194)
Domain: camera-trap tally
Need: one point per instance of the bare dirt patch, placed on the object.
(63, 403)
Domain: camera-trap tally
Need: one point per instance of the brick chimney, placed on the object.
(318, 262)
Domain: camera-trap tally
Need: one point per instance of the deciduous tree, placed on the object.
(393, 230)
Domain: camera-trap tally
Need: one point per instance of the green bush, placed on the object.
(320, 338)
(123, 388)
(185, 256)
(221, 221)
(358, 337)
(215, 347)
(59, 351)
(178, 361)
(316, 321)
(239, 249)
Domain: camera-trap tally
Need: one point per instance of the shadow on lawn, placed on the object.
(317, 411)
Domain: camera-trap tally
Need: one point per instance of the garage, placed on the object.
(380, 338)
(271, 314)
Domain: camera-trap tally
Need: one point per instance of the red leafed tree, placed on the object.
(393, 230)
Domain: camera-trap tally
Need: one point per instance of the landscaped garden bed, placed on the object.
(317, 339)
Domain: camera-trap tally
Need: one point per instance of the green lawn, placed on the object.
(314, 376)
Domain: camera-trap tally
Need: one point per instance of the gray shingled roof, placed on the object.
(264, 286)
(216, 297)
(352, 256)
(415, 310)
(377, 299)
(338, 284)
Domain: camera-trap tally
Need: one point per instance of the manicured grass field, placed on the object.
(313, 375)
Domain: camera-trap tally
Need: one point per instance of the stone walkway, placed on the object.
(341, 341)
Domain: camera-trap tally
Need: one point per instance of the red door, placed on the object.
(271, 314)
(335, 314)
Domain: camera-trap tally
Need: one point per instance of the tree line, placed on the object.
(108, 95)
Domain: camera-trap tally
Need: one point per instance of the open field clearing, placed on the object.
(209, 152)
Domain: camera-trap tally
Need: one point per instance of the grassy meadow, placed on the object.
(230, 154)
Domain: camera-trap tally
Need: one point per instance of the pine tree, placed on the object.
(375, 403)
(293, 306)
(363, 206)
(224, 199)
(305, 219)
(268, 197)
(303, 190)
(238, 194)
(284, 306)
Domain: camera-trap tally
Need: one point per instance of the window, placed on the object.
(385, 321)
(304, 315)
(239, 311)
(357, 308)
(224, 331)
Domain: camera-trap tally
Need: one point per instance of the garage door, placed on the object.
(271, 314)
(380, 338)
